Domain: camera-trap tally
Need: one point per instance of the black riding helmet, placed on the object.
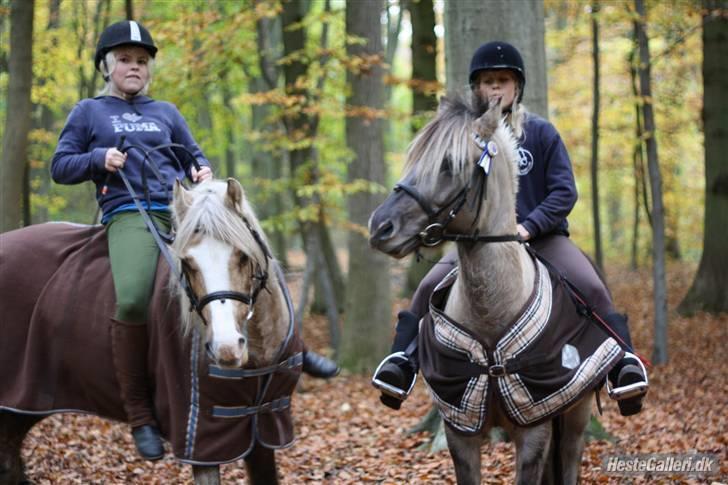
(126, 32)
(499, 55)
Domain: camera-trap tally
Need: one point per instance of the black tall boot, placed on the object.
(129, 344)
(316, 365)
(396, 374)
(628, 377)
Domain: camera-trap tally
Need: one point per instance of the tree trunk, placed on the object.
(469, 24)
(301, 126)
(659, 354)
(368, 298)
(709, 291)
(264, 162)
(424, 103)
(598, 255)
(14, 155)
(45, 122)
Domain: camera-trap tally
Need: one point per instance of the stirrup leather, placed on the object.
(630, 390)
(387, 388)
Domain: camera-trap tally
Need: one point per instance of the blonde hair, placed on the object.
(107, 67)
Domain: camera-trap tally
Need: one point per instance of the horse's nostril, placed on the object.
(242, 341)
(384, 231)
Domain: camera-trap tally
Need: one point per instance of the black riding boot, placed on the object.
(627, 377)
(396, 374)
(129, 344)
(317, 365)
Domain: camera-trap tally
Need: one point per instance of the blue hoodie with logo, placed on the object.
(95, 125)
(546, 186)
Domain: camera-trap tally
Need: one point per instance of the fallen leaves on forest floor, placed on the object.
(345, 436)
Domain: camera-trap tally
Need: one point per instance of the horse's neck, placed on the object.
(494, 282)
(269, 325)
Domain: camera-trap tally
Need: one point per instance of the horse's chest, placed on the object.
(549, 357)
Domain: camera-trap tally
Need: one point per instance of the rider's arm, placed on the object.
(73, 162)
(560, 187)
(181, 134)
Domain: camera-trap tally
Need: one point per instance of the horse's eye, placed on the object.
(186, 264)
(446, 166)
(243, 259)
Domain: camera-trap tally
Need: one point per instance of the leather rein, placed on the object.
(435, 232)
(260, 277)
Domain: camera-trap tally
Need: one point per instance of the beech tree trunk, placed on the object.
(14, 157)
(709, 291)
(469, 24)
(659, 352)
(301, 126)
(598, 255)
(424, 104)
(368, 298)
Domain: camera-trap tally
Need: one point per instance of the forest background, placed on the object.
(313, 113)
(267, 90)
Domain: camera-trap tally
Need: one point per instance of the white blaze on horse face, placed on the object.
(226, 342)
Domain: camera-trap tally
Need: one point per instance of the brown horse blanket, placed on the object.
(56, 299)
(547, 359)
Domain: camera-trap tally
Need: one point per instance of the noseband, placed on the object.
(260, 279)
(435, 232)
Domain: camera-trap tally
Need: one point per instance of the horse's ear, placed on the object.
(235, 195)
(182, 199)
(488, 123)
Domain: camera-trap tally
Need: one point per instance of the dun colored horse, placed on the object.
(224, 355)
(460, 184)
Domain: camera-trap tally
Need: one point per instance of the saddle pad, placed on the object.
(549, 357)
(56, 299)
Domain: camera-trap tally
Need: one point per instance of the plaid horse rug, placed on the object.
(56, 298)
(548, 358)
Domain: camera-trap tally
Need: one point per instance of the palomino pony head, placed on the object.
(225, 261)
(446, 181)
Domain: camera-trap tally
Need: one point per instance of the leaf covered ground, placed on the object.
(344, 436)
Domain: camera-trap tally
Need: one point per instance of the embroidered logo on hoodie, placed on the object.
(129, 123)
(525, 161)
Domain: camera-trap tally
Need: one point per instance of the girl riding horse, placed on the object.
(89, 149)
(546, 196)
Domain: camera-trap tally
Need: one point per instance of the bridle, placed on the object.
(435, 231)
(260, 281)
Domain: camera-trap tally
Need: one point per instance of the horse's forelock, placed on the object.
(447, 137)
(208, 215)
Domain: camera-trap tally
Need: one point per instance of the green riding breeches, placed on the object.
(133, 254)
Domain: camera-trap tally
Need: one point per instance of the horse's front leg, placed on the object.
(532, 451)
(465, 453)
(260, 465)
(571, 444)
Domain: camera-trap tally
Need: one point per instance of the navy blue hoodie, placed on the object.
(95, 125)
(546, 187)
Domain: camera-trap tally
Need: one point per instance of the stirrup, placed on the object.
(388, 388)
(628, 391)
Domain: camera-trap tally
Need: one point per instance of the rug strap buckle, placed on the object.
(497, 370)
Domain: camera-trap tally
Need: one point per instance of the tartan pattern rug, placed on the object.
(549, 357)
